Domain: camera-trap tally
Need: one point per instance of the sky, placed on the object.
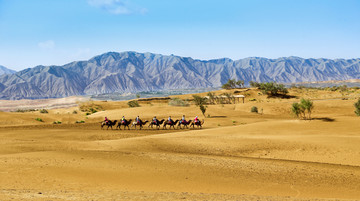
(56, 32)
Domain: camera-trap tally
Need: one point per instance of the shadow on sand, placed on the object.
(326, 119)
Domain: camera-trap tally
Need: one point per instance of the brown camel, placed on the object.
(198, 124)
(125, 124)
(157, 123)
(141, 123)
(171, 124)
(184, 123)
(108, 124)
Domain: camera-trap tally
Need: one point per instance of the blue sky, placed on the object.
(56, 32)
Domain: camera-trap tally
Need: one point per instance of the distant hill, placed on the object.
(133, 72)
(4, 70)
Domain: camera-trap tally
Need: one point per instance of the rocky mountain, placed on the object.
(133, 72)
(4, 70)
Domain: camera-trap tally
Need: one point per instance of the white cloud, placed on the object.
(49, 44)
(117, 7)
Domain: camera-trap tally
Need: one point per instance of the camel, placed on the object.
(108, 124)
(125, 124)
(184, 123)
(171, 124)
(141, 123)
(157, 124)
(199, 123)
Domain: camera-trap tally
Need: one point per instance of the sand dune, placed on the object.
(238, 155)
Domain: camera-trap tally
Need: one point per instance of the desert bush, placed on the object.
(74, 112)
(271, 88)
(90, 108)
(39, 119)
(254, 109)
(133, 103)
(80, 122)
(252, 99)
(57, 122)
(178, 102)
(357, 107)
(23, 110)
(44, 111)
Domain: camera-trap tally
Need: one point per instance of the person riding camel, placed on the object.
(155, 120)
(183, 121)
(170, 120)
(138, 119)
(123, 120)
(106, 120)
(196, 119)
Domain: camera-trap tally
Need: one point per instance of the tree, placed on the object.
(232, 84)
(211, 97)
(300, 109)
(229, 96)
(357, 107)
(203, 109)
(297, 109)
(307, 105)
(198, 100)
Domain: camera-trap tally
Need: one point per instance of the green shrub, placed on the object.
(44, 111)
(178, 102)
(74, 112)
(254, 109)
(133, 103)
(57, 122)
(39, 119)
(80, 122)
(357, 107)
(300, 109)
(253, 99)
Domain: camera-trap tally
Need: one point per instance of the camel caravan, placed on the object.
(153, 124)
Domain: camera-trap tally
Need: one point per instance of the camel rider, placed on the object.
(183, 119)
(170, 120)
(155, 120)
(106, 120)
(123, 119)
(196, 119)
(138, 119)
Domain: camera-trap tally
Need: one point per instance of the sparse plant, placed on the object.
(74, 112)
(254, 109)
(80, 122)
(137, 96)
(133, 103)
(297, 110)
(57, 122)
(357, 107)
(39, 119)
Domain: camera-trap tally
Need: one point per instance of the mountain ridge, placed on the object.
(4, 70)
(131, 71)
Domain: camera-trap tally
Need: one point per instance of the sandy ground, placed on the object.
(238, 155)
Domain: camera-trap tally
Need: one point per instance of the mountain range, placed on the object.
(4, 70)
(133, 72)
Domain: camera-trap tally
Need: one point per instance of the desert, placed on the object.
(237, 155)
